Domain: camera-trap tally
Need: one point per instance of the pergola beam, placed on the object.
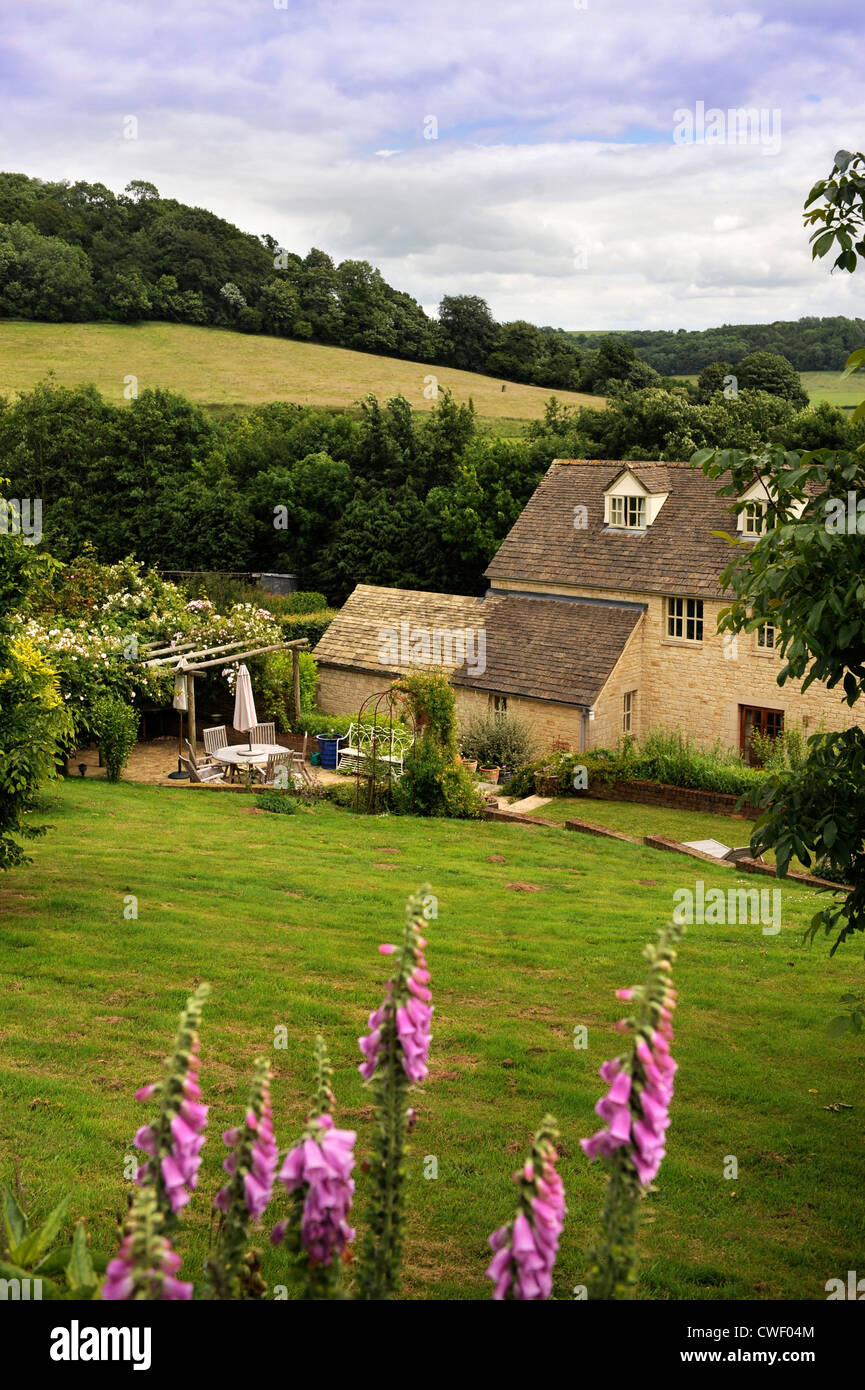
(242, 656)
(190, 650)
(230, 657)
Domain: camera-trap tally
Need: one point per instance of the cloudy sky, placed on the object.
(525, 150)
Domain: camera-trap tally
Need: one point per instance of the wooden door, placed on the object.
(754, 719)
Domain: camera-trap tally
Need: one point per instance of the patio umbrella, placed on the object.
(245, 718)
(180, 703)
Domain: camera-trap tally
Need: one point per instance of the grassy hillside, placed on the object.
(217, 367)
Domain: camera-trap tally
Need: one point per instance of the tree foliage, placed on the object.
(34, 723)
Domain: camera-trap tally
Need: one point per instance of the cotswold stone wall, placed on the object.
(342, 690)
(659, 794)
(698, 688)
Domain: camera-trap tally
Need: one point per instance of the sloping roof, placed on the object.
(550, 649)
(653, 476)
(677, 554)
(355, 637)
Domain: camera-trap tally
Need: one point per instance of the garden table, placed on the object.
(239, 755)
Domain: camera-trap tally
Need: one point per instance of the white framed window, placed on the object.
(685, 619)
(767, 637)
(628, 710)
(628, 513)
(754, 520)
(499, 704)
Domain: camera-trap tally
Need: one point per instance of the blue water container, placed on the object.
(329, 749)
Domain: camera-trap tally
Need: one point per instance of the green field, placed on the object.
(219, 368)
(283, 916)
(827, 386)
(832, 387)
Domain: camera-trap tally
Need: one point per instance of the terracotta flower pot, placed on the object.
(470, 764)
(489, 774)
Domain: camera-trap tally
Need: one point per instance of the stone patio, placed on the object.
(151, 763)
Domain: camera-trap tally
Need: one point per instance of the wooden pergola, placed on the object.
(190, 654)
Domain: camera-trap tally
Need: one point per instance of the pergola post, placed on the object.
(295, 685)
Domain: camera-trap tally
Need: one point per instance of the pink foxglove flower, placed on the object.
(635, 1111)
(252, 1162)
(396, 1052)
(251, 1168)
(406, 1010)
(145, 1266)
(525, 1249)
(320, 1168)
(174, 1140)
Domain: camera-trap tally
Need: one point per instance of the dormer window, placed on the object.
(754, 519)
(628, 512)
(630, 504)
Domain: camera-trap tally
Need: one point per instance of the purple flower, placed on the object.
(321, 1164)
(526, 1249)
(254, 1149)
(145, 1266)
(406, 1009)
(179, 1163)
(636, 1105)
(174, 1140)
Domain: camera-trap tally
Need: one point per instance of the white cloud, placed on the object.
(554, 132)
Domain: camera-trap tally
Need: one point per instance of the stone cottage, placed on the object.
(600, 619)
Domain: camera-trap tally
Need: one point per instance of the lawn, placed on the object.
(216, 367)
(636, 819)
(283, 916)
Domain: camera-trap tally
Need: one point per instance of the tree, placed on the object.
(805, 575)
(280, 307)
(768, 371)
(518, 351)
(140, 191)
(470, 328)
(712, 379)
(41, 277)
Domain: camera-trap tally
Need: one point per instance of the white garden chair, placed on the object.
(200, 772)
(214, 739)
(279, 771)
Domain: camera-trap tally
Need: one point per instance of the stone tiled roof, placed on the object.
(677, 554)
(550, 649)
(355, 637)
(653, 476)
(544, 649)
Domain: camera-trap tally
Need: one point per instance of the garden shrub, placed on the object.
(279, 802)
(35, 723)
(433, 782)
(665, 756)
(274, 690)
(116, 729)
(343, 795)
(312, 626)
(496, 740)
